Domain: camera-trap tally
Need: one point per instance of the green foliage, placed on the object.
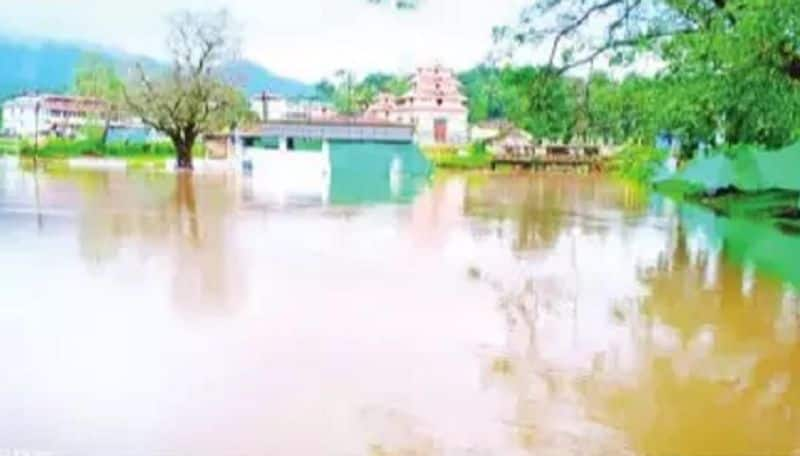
(381, 82)
(475, 157)
(351, 96)
(731, 73)
(94, 147)
(540, 102)
(96, 77)
(638, 162)
(484, 90)
(9, 146)
(324, 91)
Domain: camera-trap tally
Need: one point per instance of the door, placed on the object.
(440, 130)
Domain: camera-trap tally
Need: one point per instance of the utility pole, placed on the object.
(36, 110)
(264, 106)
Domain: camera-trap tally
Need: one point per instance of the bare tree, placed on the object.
(194, 95)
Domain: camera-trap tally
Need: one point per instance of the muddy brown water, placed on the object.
(154, 314)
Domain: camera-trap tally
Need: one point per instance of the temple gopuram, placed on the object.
(434, 105)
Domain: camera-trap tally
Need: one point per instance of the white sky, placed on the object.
(303, 39)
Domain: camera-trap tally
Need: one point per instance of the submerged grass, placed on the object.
(94, 147)
(9, 146)
(474, 157)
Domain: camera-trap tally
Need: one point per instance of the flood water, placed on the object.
(155, 314)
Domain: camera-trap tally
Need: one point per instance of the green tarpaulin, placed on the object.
(710, 173)
(764, 246)
(750, 169)
(780, 169)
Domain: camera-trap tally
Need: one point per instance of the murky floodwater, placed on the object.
(149, 314)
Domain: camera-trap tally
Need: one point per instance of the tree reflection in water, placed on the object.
(707, 361)
(718, 368)
(170, 220)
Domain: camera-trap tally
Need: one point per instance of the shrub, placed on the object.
(476, 157)
(638, 162)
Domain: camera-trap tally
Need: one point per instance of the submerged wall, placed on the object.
(369, 172)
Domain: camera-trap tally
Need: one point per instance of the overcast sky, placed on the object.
(304, 39)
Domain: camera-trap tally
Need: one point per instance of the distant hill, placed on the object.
(50, 66)
(257, 79)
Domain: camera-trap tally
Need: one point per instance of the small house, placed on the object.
(512, 143)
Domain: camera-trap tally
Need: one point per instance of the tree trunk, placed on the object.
(106, 129)
(184, 154)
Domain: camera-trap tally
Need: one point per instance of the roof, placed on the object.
(513, 138)
(496, 124)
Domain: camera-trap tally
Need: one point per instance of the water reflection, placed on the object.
(703, 361)
(490, 315)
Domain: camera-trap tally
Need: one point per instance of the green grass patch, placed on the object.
(9, 146)
(448, 157)
(637, 162)
(73, 148)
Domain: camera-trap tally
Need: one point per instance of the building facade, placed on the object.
(60, 115)
(434, 105)
(271, 107)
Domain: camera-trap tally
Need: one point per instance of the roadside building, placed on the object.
(60, 115)
(384, 108)
(434, 105)
(272, 107)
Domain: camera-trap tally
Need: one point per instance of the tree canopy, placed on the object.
(731, 68)
(727, 71)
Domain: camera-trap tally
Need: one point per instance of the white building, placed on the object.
(434, 105)
(271, 107)
(51, 114)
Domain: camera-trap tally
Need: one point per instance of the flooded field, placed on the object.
(154, 314)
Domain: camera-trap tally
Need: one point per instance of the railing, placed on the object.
(594, 162)
(333, 130)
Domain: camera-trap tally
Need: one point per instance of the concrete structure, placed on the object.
(51, 114)
(288, 135)
(434, 106)
(270, 107)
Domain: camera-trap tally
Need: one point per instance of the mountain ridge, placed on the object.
(42, 65)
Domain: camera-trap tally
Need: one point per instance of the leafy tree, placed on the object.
(96, 77)
(344, 98)
(324, 91)
(351, 97)
(382, 82)
(193, 96)
(540, 102)
(732, 67)
(483, 88)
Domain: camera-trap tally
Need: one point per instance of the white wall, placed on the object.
(19, 117)
(276, 108)
(457, 127)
